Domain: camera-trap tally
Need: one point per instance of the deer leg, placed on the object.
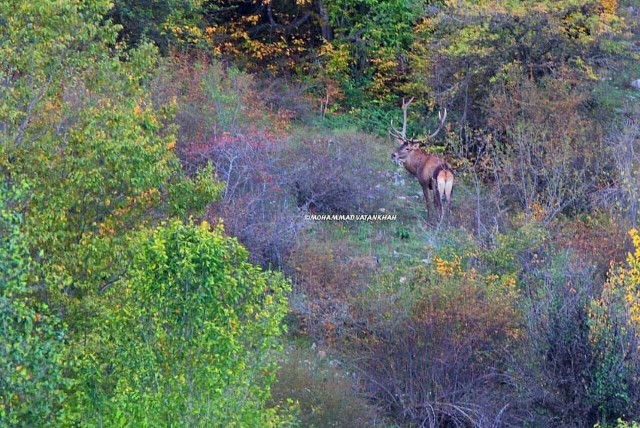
(448, 204)
(427, 192)
(437, 199)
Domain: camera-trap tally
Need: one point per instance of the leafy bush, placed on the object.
(83, 132)
(31, 356)
(166, 24)
(214, 104)
(594, 240)
(620, 424)
(189, 336)
(465, 51)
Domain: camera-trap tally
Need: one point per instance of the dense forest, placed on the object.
(165, 164)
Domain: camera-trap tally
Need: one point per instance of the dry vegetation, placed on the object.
(483, 320)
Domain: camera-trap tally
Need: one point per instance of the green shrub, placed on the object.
(189, 337)
(31, 369)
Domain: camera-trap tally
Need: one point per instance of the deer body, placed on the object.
(422, 165)
(433, 173)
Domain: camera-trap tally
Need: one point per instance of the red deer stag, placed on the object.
(433, 173)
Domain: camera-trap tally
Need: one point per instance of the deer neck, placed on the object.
(414, 163)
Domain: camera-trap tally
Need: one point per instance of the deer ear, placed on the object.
(415, 146)
(399, 140)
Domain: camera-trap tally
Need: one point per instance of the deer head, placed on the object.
(409, 145)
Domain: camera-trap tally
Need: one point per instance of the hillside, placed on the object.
(205, 219)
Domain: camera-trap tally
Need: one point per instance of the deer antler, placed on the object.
(442, 117)
(394, 131)
(402, 135)
(405, 108)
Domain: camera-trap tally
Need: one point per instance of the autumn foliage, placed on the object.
(163, 163)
